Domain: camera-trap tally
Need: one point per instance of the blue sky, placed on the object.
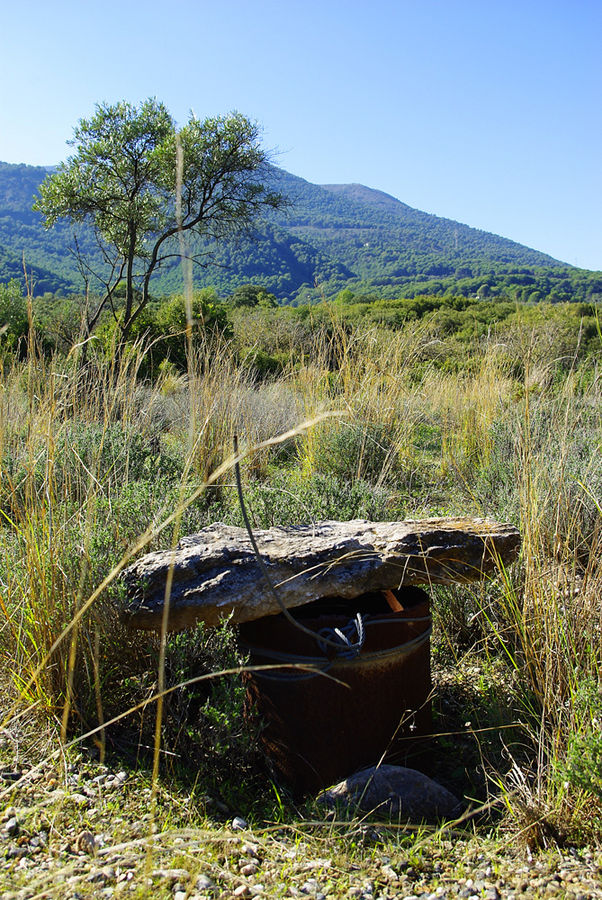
(483, 111)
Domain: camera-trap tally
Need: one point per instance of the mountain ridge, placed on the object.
(332, 237)
(356, 191)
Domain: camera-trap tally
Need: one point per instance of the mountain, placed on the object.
(387, 244)
(331, 237)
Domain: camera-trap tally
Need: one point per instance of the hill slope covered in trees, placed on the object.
(332, 237)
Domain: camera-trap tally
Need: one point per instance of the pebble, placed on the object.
(310, 887)
(115, 781)
(120, 872)
(85, 842)
(12, 826)
(172, 874)
(11, 776)
(389, 873)
(101, 876)
(249, 869)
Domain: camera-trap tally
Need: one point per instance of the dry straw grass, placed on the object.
(94, 463)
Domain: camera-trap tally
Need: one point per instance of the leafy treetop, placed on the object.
(143, 185)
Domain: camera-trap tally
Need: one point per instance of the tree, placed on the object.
(144, 186)
(345, 296)
(176, 319)
(14, 322)
(251, 295)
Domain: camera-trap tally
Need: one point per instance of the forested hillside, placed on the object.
(330, 238)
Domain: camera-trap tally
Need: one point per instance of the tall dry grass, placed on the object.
(519, 437)
(94, 462)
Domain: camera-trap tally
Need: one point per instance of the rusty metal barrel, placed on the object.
(326, 712)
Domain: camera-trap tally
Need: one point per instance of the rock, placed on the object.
(389, 873)
(249, 869)
(172, 875)
(310, 887)
(12, 826)
(216, 574)
(102, 876)
(393, 791)
(86, 843)
(10, 775)
(238, 823)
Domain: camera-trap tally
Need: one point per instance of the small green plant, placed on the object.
(360, 451)
(583, 766)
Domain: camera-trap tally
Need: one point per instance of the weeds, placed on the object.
(93, 459)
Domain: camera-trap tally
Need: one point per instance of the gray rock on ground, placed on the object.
(395, 792)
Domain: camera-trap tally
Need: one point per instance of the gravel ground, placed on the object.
(88, 831)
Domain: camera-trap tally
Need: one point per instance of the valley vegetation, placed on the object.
(324, 240)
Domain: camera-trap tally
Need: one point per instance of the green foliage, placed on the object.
(93, 457)
(345, 296)
(116, 178)
(251, 295)
(115, 454)
(174, 322)
(262, 364)
(332, 239)
(14, 323)
(583, 766)
(129, 164)
(210, 713)
(290, 497)
(366, 451)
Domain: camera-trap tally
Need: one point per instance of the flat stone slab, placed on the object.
(214, 574)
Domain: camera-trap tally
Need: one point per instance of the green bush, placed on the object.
(584, 757)
(291, 498)
(14, 323)
(358, 451)
(112, 455)
(88, 455)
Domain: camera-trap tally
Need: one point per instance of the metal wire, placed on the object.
(348, 649)
(321, 664)
(327, 641)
